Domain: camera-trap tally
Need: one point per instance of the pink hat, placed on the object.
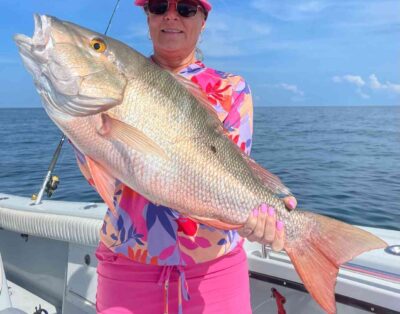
(206, 5)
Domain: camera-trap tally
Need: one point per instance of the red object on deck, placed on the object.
(280, 301)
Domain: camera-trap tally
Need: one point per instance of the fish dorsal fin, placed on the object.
(199, 94)
(103, 181)
(268, 179)
(118, 130)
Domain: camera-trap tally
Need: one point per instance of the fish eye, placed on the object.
(98, 44)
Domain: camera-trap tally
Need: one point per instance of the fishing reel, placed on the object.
(52, 185)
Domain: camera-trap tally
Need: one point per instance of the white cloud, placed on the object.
(373, 81)
(388, 86)
(353, 79)
(374, 84)
(292, 88)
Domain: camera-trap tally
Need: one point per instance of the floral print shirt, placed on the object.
(152, 234)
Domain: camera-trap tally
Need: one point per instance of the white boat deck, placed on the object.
(26, 301)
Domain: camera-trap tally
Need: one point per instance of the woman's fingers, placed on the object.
(264, 229)
(279, 241)
(250, 224)
(290, 202)
(269, 233)
(262, 226)
(258, 232)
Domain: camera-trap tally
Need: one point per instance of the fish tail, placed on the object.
(318, 251)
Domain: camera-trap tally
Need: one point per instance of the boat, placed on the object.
(47, 258)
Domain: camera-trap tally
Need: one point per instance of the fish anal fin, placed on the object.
(131, 136)
(322, 246)
(103, 181)
(215, 223)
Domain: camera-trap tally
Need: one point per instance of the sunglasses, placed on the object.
(185, 8)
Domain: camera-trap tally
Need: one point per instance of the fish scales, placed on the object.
(194, 165)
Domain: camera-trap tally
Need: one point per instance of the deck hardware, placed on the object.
(280, 301)
(393, 249)
(25, 236)
(265, 249)
(87, 259)
(90, 206)
(40, 310)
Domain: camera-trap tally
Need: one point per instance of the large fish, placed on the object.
(158, 134)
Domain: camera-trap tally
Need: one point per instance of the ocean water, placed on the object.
(339, 161)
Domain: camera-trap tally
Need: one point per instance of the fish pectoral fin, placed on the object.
(321, 248)
(103, 181)
(215, 223)
(130, 135)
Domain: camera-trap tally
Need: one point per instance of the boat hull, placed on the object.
(49, 250)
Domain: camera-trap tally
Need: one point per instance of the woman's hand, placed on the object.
(262, 225)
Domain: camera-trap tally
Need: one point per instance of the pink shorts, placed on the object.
(127, 287)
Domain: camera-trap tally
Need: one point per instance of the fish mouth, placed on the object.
(34, 49)
(40, 36)
(57, 85)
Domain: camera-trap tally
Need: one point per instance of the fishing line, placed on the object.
(50, 182)
(111, 17)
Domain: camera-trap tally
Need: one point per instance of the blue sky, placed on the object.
(292, 53)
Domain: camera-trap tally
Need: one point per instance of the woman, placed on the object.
(151, 258)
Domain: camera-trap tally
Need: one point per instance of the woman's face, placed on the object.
(172, 33)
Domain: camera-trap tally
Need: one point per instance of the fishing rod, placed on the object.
(50, 182)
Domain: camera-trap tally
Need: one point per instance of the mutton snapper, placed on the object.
(158, 134)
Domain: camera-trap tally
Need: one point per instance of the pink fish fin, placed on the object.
(104, 182)
(323, 244)
(269, 180)
(201, 96)
(215, 223)
(133, 137)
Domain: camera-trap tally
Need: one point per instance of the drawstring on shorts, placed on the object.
(183, 289)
